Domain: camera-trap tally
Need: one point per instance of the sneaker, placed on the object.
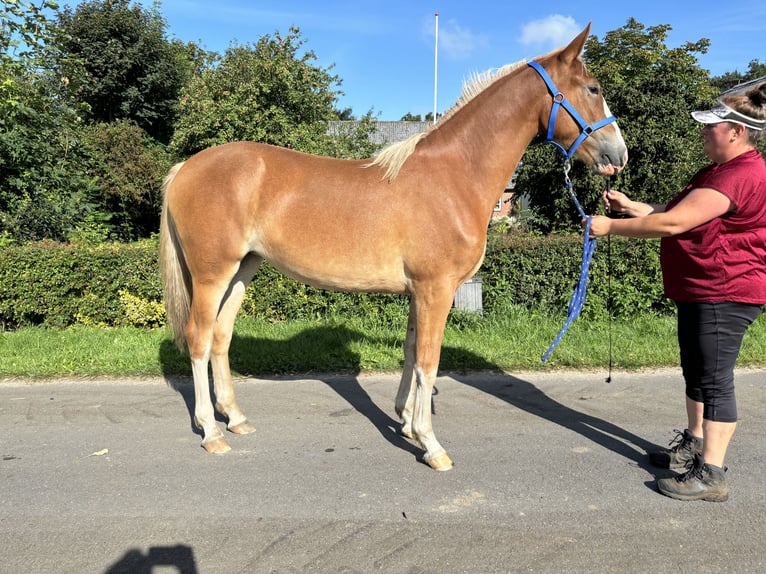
(701, 482)
(681, 453)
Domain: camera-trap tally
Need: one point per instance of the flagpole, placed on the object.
(436, 61)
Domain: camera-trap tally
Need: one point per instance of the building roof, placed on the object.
(385, 132)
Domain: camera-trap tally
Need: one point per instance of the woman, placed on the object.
(713, 258)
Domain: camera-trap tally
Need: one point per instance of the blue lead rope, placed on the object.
(559, 101)
(578, 297)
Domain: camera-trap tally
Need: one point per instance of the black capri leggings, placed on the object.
(709, 338)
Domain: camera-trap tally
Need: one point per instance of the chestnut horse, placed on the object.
(413, 220)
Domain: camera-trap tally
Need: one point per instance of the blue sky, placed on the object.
(384, 50)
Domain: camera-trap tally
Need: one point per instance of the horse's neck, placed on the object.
(489, 135)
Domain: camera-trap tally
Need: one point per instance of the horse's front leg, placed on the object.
(405, 396)
(431, 319)
(422, 430)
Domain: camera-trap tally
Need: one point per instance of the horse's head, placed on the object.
(578, 121)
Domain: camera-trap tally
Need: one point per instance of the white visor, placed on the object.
(723, 113)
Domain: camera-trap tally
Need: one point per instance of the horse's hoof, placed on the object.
(242, 428)
(441, 462)
(407, 433)
(216, 445)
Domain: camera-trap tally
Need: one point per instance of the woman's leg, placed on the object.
(694, 411)
(709, 336)
(717, 436)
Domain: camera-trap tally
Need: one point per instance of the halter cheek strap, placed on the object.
(560, 101)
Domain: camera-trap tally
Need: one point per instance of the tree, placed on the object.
(128, 69)
(24, 34)
(651, 90)
(346, 114)
(127, 168)
(41, 192)
(266, 92)
(351, 139)
(755, 70)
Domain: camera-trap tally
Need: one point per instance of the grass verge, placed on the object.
(511, 341)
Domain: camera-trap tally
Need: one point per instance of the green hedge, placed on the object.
(56, 285)
(542, 272)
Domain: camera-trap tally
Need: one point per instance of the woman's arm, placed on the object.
(617, 202)
(700, 206)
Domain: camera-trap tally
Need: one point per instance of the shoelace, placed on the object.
(694, 472)
(677, 442)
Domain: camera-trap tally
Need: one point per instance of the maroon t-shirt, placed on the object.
(723, 259)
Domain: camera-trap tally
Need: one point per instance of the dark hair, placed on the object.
(753, 105)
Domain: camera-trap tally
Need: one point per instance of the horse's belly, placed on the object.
(340, 282)
(341, 274)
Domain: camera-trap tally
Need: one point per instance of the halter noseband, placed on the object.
(560, 101)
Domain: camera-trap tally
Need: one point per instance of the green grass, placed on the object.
(512, 341)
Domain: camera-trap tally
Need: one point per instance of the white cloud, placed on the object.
(555, 30)
(455, 41)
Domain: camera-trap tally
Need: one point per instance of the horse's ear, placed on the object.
(573, 51)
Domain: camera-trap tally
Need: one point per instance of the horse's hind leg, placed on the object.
(226, 402)
(215, 303)
(199, 337)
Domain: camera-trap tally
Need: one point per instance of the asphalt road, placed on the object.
(550, 476)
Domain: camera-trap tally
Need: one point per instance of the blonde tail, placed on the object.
(175, 276)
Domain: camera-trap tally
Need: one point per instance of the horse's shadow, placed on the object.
(250, 356)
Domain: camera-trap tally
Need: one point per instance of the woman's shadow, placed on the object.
(525, 396)
(286, 359)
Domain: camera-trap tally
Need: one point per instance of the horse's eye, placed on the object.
(594, 90)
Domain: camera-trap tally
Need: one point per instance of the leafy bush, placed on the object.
(141, 312)
(56, 285)
(127, 168)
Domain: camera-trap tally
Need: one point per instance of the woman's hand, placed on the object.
(616, 201)
(599, 226)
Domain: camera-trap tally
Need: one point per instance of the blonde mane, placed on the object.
(392, 157)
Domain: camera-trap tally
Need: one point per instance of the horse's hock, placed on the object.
(469, 296)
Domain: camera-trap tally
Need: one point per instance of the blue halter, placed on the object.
(589, 244)
(560, 101)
